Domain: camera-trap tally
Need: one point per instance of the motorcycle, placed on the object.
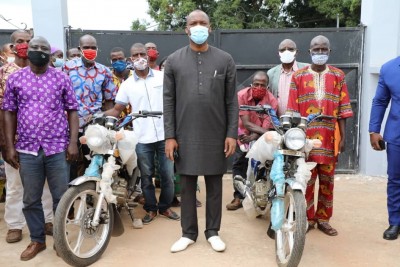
(276, 181)
(88, 212)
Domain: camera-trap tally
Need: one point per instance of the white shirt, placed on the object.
(144, 94)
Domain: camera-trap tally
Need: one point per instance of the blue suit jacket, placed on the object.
(388, 90)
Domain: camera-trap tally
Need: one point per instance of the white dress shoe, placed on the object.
(216, 243)
(181, 244)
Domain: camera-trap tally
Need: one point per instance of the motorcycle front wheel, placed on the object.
(290, 239)
(76, 240)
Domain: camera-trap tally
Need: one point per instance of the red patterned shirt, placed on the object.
(325, 92)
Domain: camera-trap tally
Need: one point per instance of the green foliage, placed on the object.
(138, 25)
(255, 14)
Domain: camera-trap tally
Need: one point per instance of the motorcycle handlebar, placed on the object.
(259, 108)
(145, 113)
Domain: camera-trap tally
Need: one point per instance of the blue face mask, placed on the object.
(58, 63)
(199, 34)
(119, 65)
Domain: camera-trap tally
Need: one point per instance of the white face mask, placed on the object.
(319, 59)
(287, 56)
(140, 63)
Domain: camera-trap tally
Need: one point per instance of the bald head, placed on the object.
(16, 34)
(320, 40)
(196, 15)
(40, 41)
(87, 40)
(287, 43)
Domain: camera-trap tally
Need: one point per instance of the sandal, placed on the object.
(327, 228)
(311, 226)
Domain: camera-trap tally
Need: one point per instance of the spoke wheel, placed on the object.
(290, 239)
(77, 241)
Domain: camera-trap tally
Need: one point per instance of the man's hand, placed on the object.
(170, 146)
(248, 138)
(11, 157)
(230, 145)
(72, 152)
(342, 145)
(374, 140)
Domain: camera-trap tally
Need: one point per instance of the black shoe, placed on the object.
(271, 232)
(392, 232)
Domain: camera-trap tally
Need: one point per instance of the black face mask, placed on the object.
(38, 58)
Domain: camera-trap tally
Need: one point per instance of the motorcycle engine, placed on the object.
(261, 189)
(119, 188)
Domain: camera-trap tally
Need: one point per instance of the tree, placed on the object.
(138, 25)
(257, 14)
(317, 13)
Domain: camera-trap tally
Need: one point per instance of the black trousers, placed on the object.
(239, 167)
(189, 221)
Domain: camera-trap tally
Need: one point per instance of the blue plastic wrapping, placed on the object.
(278, 177)
(274, 117)
(94, 167)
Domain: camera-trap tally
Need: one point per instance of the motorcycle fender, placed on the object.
(295, 185)
(118, 226)
(83, 179)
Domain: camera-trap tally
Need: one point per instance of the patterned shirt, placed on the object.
(245, 98)
(91, 85)
(117, 81)
(40, 103)
(5, 71)
(284, 87)
(325, 92)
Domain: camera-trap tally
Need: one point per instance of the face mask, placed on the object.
(319, 59)
(38, 58)
(22, 50)
(153, 54)
(140, 64)
(58, 63)
(258, 93)
(89, 54)
(119, 65)
(73, 58)
(287, 56)
(199, 34)
(10, 59)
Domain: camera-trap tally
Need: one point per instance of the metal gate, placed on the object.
(255, 50)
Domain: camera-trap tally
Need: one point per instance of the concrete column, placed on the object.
(50, 18)
(382, 43)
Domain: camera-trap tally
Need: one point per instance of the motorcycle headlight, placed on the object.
(295, 139)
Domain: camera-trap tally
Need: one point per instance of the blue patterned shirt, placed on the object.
(92, 86)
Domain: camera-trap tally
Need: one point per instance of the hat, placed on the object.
(54, 49)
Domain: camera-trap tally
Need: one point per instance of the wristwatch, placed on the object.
(371, 133)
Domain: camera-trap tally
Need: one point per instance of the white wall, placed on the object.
(382, 43)
(50, 17)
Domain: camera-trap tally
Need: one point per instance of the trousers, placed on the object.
(13, 215)
(189, 221)
(393, 184)
(325, 174)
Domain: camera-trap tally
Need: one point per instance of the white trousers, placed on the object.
(13, 214)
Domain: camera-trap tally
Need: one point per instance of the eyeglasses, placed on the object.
(288, 49)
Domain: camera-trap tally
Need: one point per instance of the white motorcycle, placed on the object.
(88, 213)
(276, 181)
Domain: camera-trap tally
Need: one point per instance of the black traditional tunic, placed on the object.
(200, 108)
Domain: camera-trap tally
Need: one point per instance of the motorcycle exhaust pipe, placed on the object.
(118, 226)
